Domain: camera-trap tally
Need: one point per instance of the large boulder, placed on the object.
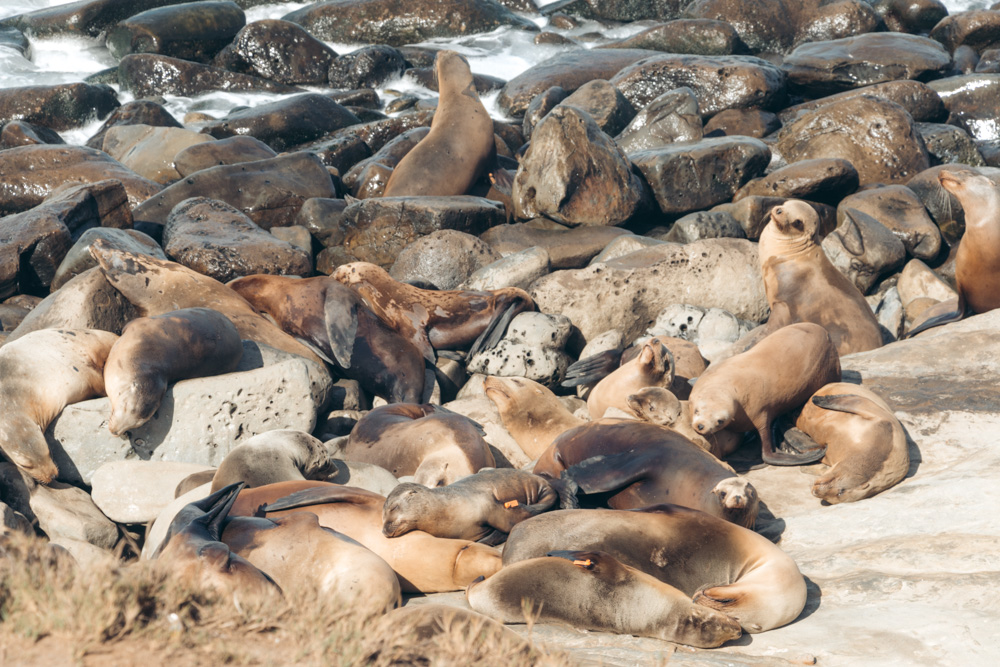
(671, 117)
(532, 348)
(150, 151)
(191, 30)
(920, 100)
(278, 50)
(444, 258)
(826, 180)
(151, 75)
(58, 107)
(898, 208)
(863, 249)
(973, 103)
(566, 248)
(979, 30)
(703, 37)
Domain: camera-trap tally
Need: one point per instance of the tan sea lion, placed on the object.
(423, 563)
(802, 285)
(716, 563)
(436, 320)
(659, 406)
(153, 352)
(40, 374)
(750, 390)
(333, 319)
(460, 146)
(638, 464)
(434, 444)
(653, 367)
(530, 412)
(591, 590)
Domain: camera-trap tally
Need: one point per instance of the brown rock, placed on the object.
(863, 249)
(427, 77)
(231, 150)
(944, 208)
(899, 210)
(323, 217)
(541, 104)
(378, 133)
(566, 248)
(826, 180)
(368, 177)
(151, 75)
(913, 16)
(604, 103)
(19, 133)
(150, 151)
(59, 107)
(979, 29)
(742, 122)
(921, 101)
(191, 31)
(31, 246)
(85, 17)
(670, 118)
(973, 103)
(367, 67)
(948, 144)
(702, 37)
(618, 10)
(136, 112)
(444, 258)
(280, 51)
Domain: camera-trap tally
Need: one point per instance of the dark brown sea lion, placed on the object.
(530, 412)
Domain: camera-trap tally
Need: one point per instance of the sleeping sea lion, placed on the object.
(653, 367)
(659, 406)
(530, 412)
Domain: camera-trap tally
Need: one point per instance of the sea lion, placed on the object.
(482, 507)
(423, 563)
(716, 563)
(659, 406)
(865, 443)
(298, 553)
(977, 260)
(530, 412)
(436, 320)
(460, 146)
(652, 367)
(333, 320)
(153, 352)
(40, 374)
(802, 285)
(750, 390)
(591, 590)
(434, 444)
(640, 464)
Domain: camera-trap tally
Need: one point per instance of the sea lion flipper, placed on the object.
(493, 538)
(936, 318)
(566, 490)
(796, 440)
(321, 495)
(593, 369)
(600, 474)
(495, 330)
(852, 403)
(340, 316)
(850, 235)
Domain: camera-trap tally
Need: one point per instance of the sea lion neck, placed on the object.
(774, 243)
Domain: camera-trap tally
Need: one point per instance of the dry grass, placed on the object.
(52, 612)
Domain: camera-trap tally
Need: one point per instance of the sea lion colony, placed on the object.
(617, 514)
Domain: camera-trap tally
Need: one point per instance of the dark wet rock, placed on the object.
(377, 134)
(82, 207)
(86, 17)
(21, 133)
(359, 97)
(720, 82)
(989, 63)
(149, 75)
(368, 67)
(703, 37)
(694, 176)
(604, 103)
(150, 151)
(826, 180)
(913, 16)
(965, 60)
(824, 68)
(618, 10)
(899, 210)
(510, 134)
(670, 118)
(270, 192)
(863, 249)
(191, 31)
(562, 20)
(444, 258)
(323, 218)
(887, 149)
(285, 123)
(420, 55)
(402, 103)
(136, 112)
(215, 239)
(568, 70)
(427, 77)
(973, 103)
(368, 177)
(13, 38)
(79, 259)
(366, 115)
(398, 22)
(231, 150)
(566, 248)
(746, 122)
(705, 225)
(340, 153)
(541, 104)
(10, 317)
(948, 144)
(377, 230)
(574, 173)
(525, 6)
(32, 244)
(280, 51)
(979, 29)
(553, 38)
(59, 107)
(920, 100)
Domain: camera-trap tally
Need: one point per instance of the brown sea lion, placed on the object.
(436, 320)
(716, 563)
(640, 464)
(591, 590)
(659, 406)
(156, 351)
(482, 507)
(802, 285)
(434, 444)
(653, 367)
(334, 321)
(530, 412)
(40, 374)
(423, 563)
(865, 443)
(460, 146)
(750, 390)
(977, 260)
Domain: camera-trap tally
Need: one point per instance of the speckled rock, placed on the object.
(151, 75)
(191, 30)
(625, 245)
(979, 29)
(567, 248)
(919, 99)
(913, 16)
(444, 258)
(705, 225)
(755, 123)
(531, 348)
(863, 249)
(367, 67)
(948, 144)
(278, 50)
(713, 330)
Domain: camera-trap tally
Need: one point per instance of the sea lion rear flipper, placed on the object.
(852, 403)
(566, 490)
(600, 474)
(799, 441)
(321, 495)
(593, 369)
(340, 317)
(495, 330)
(934, 317)
(493, 538)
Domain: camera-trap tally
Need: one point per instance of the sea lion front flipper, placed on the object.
(321, 495)
(318, 352)
(340, 318)
(850, 235)
(593, 369)
(799, 441)
(937, 315)
(493, 538)
(852, 403)
(495, 330)
(775, 457)
(600, 474)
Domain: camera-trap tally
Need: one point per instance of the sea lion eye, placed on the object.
(779, 211)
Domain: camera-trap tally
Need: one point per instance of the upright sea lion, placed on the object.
(436, 320)
(659, 406)
(460, 146)
(530, 412)
(750, 390)
(40, 374)
(802, 285)
(652, 367)
(718, 564)
(591, 590)
(156, 351)
(333, 319)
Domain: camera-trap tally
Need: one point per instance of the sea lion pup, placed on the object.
(423, 563)
(333, 320)
(802, 285)
(482, 507)
(716, 563)
(687, 363)
(865, 443)
(436, 320)
(653, 367)
(977, 260)
(434, 444)
(153, 352)
(193, 548)
(750, 390)
(659, 406)
(40, 374)
(591, 590)
(530, 412)
(460, 147)
(298, 553)
(639, 464)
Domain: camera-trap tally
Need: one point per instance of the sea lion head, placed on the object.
(739, 501)
(708, 417)
(795, 218)
(508, 393)
(656, 405)
(404, 507)
(839, 486)
(657, 361)
(454, 74)
(136, 403)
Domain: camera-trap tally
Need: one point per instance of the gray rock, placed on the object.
(705, 225)
(890, 314)
(863, 249)
(532, 348)
(444, 258)
(79, 259)
(518, 269)
(233, 150)
(604, 103)
(672, 117)
(917, 281)
(713, 330)
(64, 511)
(137, 491)
(898, 208)
(625, 245)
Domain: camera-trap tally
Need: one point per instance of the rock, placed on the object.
(13, 38)
(745, 122)
(79, 259)
(12, 521)
(603, 103)
(232, 150)
(298, 237)
(518, 269)
(323, 218)
(973, 103)
(624, 245)
(368, 177)
(574, 173)
(444, 258)
(19, 133)
(532, 348)
(427, 77)
(720, 82)
(136, 112)
(913, 16)
(826, 180)
(899, 209)
(280, 51)
(58, 107)
(217, 240)
(705, 225)
(944, 208)
(567, 248)
(917, 281)
(32, 244)
(921, 101)
(693, 176)
(191, 31)
(368, 67)
(890, 314)
(863, 249)
(989, 62)
(888, 151)
(378, 133)
(484, 412)
(713, 330)
(628, 293)
(948, 144)
(703, 37)
(150, 75)
(137, 491)
(540, 105)
(66, 512)
(977, 29)
(618, 10)
(150, 151)
(85, 17)
(670, 118)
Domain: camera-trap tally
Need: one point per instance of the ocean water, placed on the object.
(504, 53)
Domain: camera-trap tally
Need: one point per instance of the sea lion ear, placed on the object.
(647, 356)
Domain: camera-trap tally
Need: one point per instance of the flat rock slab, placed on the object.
(137, 491)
